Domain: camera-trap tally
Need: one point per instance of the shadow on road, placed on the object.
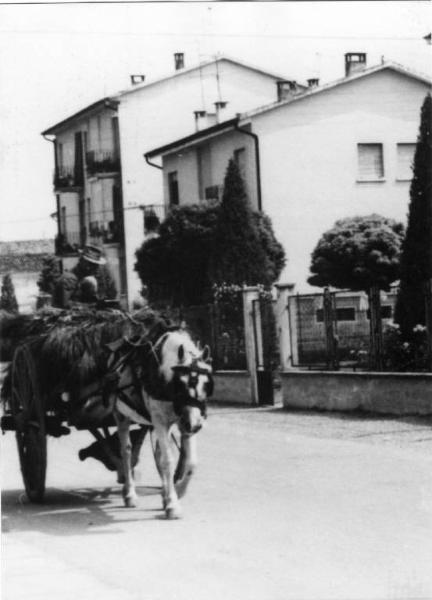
(74, 511)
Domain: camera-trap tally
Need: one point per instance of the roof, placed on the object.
(180, 72)
(113, 101)
(108, 102)
(344, 80)
(242, 118)
(204, 133)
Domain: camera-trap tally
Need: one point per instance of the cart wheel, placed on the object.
(27, 410)
(176, 444)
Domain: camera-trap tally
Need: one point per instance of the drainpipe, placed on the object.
(55, 171)
(257, 161)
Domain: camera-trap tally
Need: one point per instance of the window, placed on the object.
(59, 148)
(405, 159)
(386, 312)
(173, 189)
(370, 162)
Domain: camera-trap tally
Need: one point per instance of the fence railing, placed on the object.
(353, 330)
(102, 162)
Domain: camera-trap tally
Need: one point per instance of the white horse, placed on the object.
(175, 380)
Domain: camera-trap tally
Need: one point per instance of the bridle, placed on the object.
(182, 396)
(175, 391)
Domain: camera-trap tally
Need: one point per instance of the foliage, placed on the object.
(238, 255)
(357, 253)
(416, 258)
(199, 243)
(8, 301)
(399, 354)
(51, 271)
(273, 249)
(174, 265)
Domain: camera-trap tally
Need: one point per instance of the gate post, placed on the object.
(249, 295)
(376, 328)
(283, 324)
(329, 325)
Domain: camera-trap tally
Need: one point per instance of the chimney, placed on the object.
(136, 79)
(285, 89)
(179, 61)
(314, 82)
(198, 114)
(219, 105)
(354, 63)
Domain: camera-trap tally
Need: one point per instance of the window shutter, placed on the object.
(405, 159)
(370, 161)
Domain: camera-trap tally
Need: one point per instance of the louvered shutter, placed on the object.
(370, 161)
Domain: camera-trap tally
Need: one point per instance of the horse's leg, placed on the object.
(129, 493)
(167, 465)
(188, 464)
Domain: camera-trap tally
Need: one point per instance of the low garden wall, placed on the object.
(383, 393)
(233, 386)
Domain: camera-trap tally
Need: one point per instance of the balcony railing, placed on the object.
(102, 162)
(65, 177)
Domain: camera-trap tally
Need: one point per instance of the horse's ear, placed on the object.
(206, 357)
(181, 353)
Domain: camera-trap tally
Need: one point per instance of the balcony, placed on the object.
(67, 177)
(102, 162)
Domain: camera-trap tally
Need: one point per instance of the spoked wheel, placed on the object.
(28, 412)
(179, 456)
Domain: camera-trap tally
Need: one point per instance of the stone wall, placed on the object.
(383, 393)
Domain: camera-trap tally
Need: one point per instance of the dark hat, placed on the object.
(93, 254)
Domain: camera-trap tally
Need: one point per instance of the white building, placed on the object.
(315, 156)
(101, 177)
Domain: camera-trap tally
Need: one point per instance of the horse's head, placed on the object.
(189, 376)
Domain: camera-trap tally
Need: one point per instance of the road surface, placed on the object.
(285, 506)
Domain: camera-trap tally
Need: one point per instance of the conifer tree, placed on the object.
(50, 273)
(8, 299)
(238, 255)
(416, 258)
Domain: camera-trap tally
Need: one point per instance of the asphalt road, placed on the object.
(285, 505)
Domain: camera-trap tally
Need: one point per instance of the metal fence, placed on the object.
(338, 330)
(220, 326)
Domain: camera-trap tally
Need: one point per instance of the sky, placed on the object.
(57, 58)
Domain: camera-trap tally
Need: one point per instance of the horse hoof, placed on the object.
(130, 502)
(173, 513)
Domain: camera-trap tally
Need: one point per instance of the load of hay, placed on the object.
(69, 347)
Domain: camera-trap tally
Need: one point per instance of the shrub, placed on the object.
(8, 301)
